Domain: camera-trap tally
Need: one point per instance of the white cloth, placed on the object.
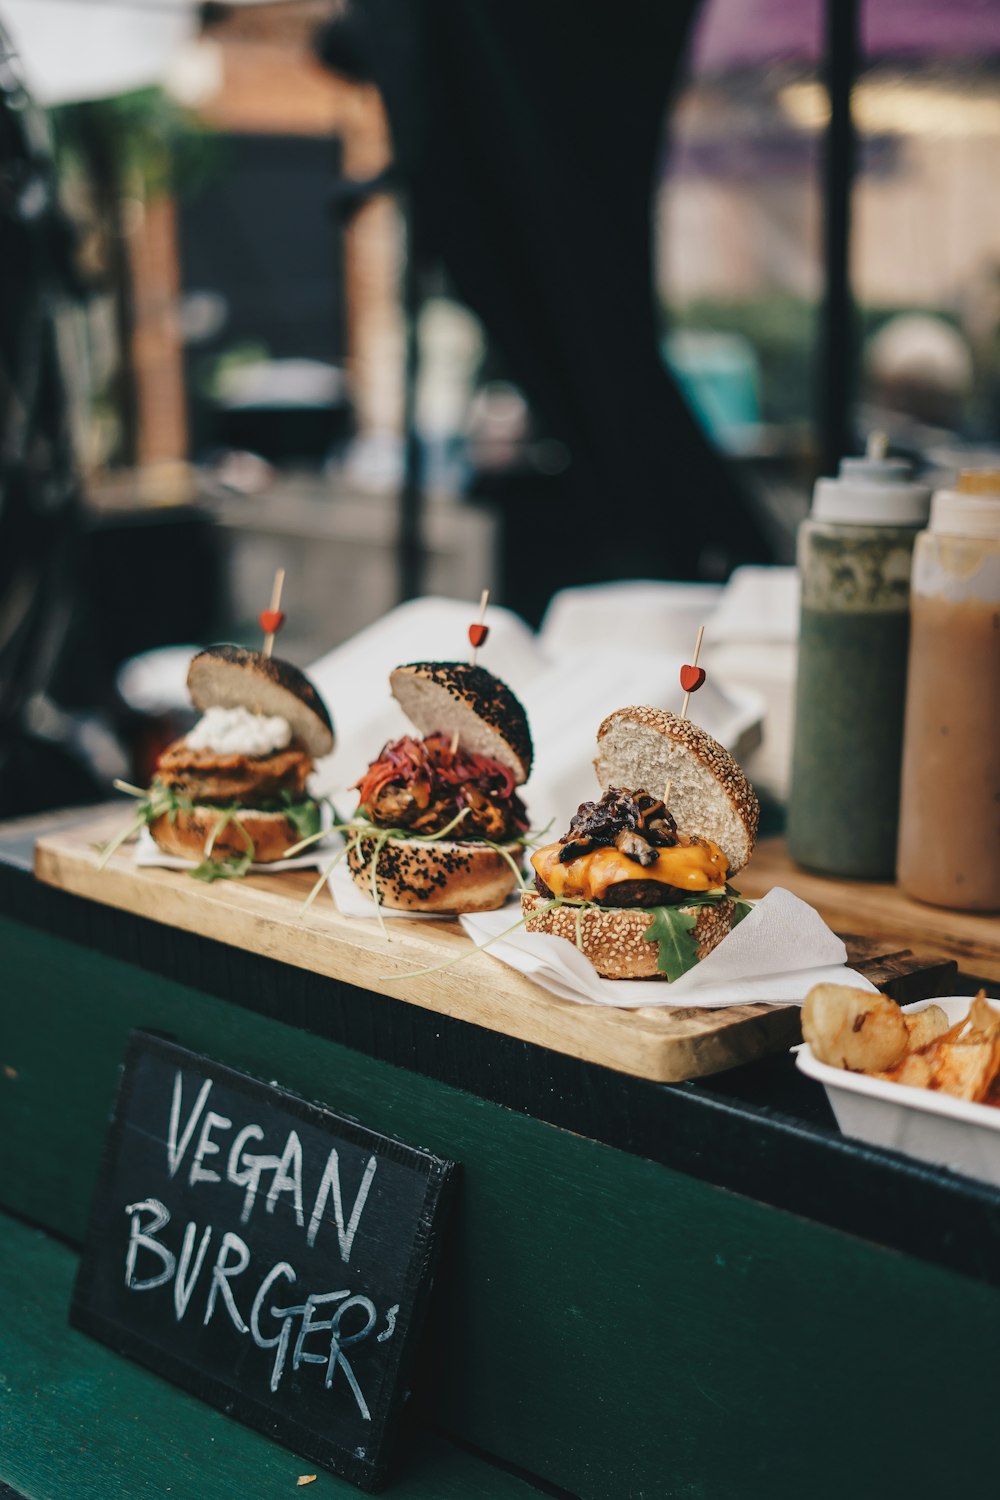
(776, 954)
(70, 51)
(758, 605)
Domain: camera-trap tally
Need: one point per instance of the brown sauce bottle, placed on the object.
(949, 832)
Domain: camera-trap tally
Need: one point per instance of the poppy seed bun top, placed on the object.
(709, 794)
(450, 696)
(232, 677)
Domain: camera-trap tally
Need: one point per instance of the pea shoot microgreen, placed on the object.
(159, 800)
(358, 829)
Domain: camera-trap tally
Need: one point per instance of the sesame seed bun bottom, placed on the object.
(613, 937)
(443, 876)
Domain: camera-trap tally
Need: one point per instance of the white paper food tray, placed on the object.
(931, 1126)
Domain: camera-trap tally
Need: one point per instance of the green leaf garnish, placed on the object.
(673, 930)
(304, 816)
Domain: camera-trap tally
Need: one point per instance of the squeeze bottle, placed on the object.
(854, 556)
(949, 834)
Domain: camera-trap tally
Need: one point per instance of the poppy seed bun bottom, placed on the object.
(612, 937)
(445, 876)
(270, 833)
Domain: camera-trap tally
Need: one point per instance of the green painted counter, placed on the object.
(683, 1294)
(79, 1423)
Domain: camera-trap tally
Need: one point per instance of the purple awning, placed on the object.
(742, 33)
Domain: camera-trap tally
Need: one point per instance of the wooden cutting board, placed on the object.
(262, 914)
(876, 908)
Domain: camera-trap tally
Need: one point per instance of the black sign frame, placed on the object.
(423, 1186)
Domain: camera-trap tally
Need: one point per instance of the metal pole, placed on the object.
(410, 541)
(837, 322)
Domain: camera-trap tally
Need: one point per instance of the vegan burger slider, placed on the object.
(642, 887)
(234, 788)
(440, 819)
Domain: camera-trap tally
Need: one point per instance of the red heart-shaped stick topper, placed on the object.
(692, 678)
(477, 636)
(271, 620)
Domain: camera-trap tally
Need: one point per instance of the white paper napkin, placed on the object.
(147, 852)
(776, 954)
(757, 605)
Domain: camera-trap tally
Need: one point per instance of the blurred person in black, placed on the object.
(80, 590)
(526, 142)
(40, 519)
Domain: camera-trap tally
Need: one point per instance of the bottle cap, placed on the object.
(872, 491)
(968, 512)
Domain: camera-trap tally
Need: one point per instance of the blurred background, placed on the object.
(414, 298)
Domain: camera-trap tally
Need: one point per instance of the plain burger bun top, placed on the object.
(232, 677)
(709, 794)
(447, 696)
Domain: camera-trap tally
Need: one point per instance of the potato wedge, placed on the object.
(854, 1029)
(983, 1021)
(924, 1027)
(915, 1069)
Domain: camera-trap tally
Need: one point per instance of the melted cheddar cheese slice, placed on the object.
(691, 866)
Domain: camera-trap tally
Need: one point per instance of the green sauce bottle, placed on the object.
(854, 553)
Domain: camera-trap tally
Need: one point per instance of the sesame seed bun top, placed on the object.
(709, 794)
(453, 696)
(233, 677)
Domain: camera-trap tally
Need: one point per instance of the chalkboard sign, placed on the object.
(268, 1255)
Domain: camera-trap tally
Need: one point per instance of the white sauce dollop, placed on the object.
(236, 731)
